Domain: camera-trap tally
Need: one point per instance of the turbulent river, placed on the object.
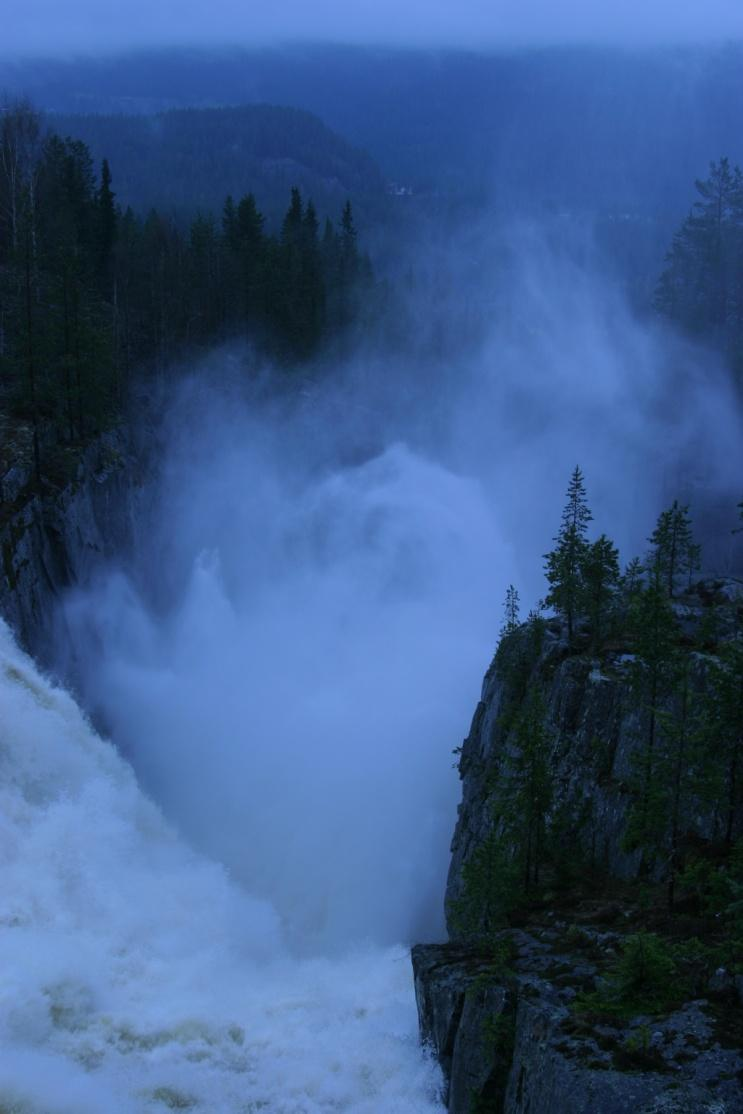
(138, 977)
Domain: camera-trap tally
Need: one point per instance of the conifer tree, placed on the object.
(511, 609)
(680, 768)
(601, 583)
(107, 221)
(653, 676)
(565, 563)
(530, 788)
(674, 551)
(724, 716)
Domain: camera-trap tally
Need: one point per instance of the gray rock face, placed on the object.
(50, 541)
(595, 727)
(509, 1037)
(508, 1045)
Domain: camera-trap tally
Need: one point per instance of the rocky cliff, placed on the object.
(542, 1016)
(53, 537)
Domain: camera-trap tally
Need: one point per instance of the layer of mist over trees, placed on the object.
(186, 160)
(701, 287)
(88, 293)
(539, 127)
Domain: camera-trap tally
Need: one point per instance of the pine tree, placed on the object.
(654, 674)
(724, 715)
(601, 580)
(680, 768)
(510, 611)
(529, 788)
(565, 563)
(106, 222)
(674, 551)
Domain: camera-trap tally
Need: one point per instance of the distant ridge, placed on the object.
(185, 160)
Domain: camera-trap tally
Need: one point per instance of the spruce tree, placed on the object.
(601, 584)
(511, 609)
(680, 768)
(675, 555)
(654, 673)
(565, 563)
(724, 716)
(529, 787)
(107, 221)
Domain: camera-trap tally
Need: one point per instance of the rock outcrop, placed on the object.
(509, 1042)
(53, 538)
(507, 1031)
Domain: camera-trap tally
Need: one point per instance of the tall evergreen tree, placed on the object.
(107, 220)
(565, 564)
(654, 673)
(601, 584)
(675, 556)
(724, 717)
(511, 609)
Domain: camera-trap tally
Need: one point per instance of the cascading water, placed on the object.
(137, 977)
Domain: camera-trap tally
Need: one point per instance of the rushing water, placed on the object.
(136, 977)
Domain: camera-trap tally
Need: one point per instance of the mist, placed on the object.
(295, 648)
(41, 27)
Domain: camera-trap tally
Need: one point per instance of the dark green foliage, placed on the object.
(600, 585)
(641, 980)
(510, 611)
(506, 866)
(675, 556)
(565, 564)
(717, 888)
(528, 790)
(107, 217)
(181, 161)
(723, 715)
(654, 674)
(517, 654)
(490, 890)
(88, 292)
(701, 287)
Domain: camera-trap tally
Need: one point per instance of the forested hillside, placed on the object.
(89, 292)
(555, 127)
(701, 288)
(180, 162)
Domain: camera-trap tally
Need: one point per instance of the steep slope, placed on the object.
(580, 1005)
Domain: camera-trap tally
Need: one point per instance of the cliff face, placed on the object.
(507, 1030)
(511, 1044)
(51, 540)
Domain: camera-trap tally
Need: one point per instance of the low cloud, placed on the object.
(44, 27)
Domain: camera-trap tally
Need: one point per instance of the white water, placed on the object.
(135, 977)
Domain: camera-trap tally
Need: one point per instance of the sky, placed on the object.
(33, 27)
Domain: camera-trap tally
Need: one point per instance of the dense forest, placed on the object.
(701, 288)
(89, 293)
